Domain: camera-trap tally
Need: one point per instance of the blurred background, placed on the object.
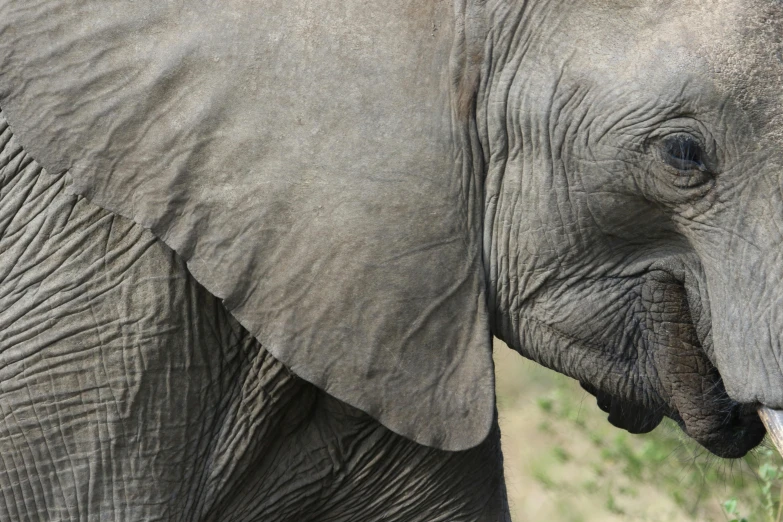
(565, 462)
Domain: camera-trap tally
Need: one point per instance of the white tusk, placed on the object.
(773, 421)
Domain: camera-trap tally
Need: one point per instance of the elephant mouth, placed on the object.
(731, 430)
(662, 367)
(681, 381)
(738, 430)
(624, 414)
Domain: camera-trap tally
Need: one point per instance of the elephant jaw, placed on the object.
(773, 421)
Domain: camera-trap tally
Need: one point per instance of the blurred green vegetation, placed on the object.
(583, 468)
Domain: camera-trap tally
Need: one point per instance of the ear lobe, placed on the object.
(304, 167)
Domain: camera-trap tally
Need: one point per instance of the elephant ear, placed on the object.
(301, 156)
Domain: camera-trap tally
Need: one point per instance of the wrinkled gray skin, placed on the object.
(131, 394)
(623, 167)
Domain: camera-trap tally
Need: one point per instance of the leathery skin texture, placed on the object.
(127, 392)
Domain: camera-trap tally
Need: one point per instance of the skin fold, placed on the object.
(259, 282)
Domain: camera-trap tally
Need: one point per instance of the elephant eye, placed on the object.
(683, 153)
(686, 159)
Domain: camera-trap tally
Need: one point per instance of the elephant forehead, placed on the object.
(647, 41)
(298, 155)
(745, 54)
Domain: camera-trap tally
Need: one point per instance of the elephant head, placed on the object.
(633, 160)
(373, 190)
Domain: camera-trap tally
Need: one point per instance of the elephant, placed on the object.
(253, 254)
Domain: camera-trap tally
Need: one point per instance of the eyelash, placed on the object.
(685, 155)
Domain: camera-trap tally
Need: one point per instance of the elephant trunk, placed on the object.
(747, 330)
